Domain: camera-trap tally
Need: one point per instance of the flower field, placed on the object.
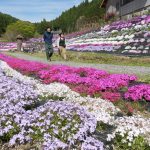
(7, 46)
(122, 37)
(86, 81)
(33, 43)
(130, 36)
(53, 124)
(60, 107)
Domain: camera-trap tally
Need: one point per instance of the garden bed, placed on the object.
(48, 116)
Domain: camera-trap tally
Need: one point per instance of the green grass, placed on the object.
(2, 40)
(144, 78)
(100, 58)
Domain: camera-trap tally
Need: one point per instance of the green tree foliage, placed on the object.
(23, 28)
(5, 20)
(67, 20)
(40, 27)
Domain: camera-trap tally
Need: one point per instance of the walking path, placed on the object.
(111, 68)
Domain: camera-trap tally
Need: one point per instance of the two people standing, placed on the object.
(48, 39)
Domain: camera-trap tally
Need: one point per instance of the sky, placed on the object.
(36, 10)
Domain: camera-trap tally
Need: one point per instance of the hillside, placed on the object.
(83, 13)
(5, 20)
(128, 37)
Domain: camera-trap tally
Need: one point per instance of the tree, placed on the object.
(40, 27)
(23, 28)
(5, 20)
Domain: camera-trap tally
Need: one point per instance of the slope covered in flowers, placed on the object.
(52, 124)
(122, 37)
(132, 36)
(6, 46)
(86, 81)
(67, 122)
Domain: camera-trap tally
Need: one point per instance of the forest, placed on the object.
(68, 19)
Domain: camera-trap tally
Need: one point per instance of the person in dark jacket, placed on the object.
(48, 39)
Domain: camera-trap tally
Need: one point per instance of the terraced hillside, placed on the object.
(121, 37)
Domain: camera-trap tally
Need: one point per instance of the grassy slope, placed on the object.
(89, 57)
